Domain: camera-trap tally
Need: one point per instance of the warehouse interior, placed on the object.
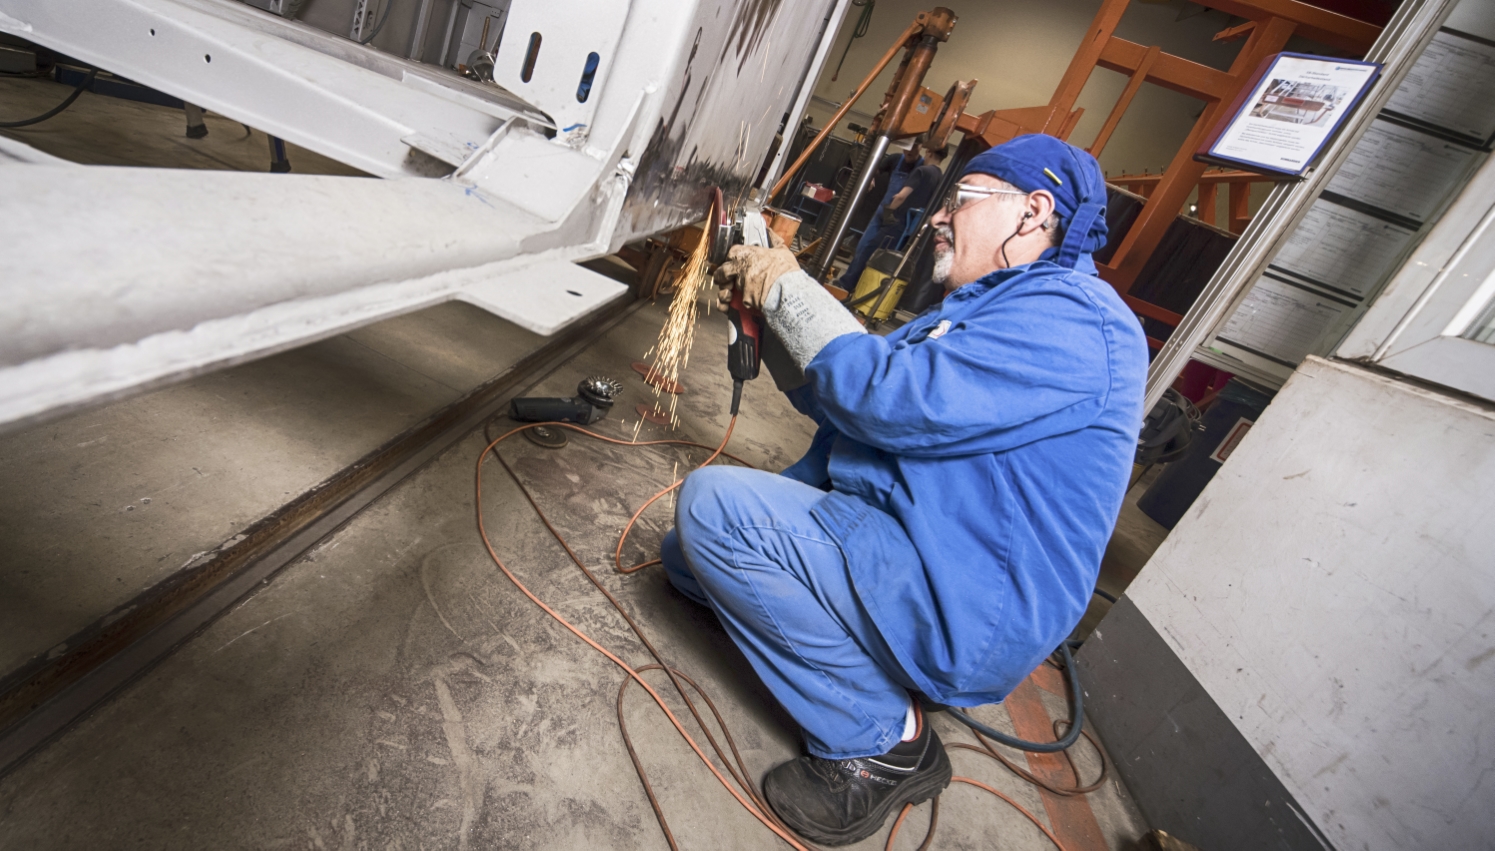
(277, 271)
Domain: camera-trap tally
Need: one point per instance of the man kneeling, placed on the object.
(944, 531)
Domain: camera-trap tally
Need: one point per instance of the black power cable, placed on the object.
(77, 90)
(379, 26)
(1076, 714)
(860, 30)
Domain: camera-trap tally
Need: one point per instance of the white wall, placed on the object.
(1333, 589)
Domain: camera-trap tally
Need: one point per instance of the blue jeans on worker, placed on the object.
(874, 237)
(745, 544)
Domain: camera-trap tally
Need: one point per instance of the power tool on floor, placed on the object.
(594, 398)
(745, 332)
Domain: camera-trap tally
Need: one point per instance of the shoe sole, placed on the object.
(916, 792)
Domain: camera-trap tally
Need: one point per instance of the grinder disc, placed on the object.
(600, 390)
(550, 438)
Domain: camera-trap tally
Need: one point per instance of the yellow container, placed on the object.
(882, 265)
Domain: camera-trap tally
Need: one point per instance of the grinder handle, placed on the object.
(744, 346)
(538, 409)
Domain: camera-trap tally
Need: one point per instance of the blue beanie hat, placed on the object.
(1035, 162)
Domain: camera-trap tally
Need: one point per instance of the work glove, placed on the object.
(889, 217)
(753, 270)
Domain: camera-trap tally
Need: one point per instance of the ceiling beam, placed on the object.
(1321, 25)
(1168, 71)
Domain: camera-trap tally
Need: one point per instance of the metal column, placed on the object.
(848, 202)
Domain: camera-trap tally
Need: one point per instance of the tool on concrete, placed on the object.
(594, 398)
(547, 437)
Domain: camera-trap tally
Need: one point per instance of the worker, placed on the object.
(911, 181)
(944, 531)
(891, 174)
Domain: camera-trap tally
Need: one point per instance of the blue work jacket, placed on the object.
(976, 460)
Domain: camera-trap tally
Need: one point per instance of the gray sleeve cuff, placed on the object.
(786, 373)
(805, 317)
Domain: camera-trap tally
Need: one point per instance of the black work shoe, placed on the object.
(841, 801)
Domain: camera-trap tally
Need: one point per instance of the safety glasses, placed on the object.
(962, 194)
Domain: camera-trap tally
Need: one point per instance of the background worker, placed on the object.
(912, 180)
(867, 209)
(944, 532)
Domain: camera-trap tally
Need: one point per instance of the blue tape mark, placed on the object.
(472, 192)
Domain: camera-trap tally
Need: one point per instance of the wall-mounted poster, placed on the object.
(1292, 109)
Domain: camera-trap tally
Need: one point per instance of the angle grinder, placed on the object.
(594, 397)
(745, 331)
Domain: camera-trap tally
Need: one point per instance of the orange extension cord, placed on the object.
(745, 792)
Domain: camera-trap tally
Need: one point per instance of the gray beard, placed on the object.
(944, 258)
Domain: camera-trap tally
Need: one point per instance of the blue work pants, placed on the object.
(874, 237)
(746, 545)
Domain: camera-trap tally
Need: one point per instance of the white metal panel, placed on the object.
(1331, 591)
(69, 379)
(144, 299)
(145, 251)
(568, 31)
(546, 179)
(543, 297)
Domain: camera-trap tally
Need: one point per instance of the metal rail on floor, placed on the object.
(42, 699)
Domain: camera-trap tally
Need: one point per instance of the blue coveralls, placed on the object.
(944, 531)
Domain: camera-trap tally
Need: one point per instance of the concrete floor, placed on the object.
(392, 690)
(99, 506)
(98, 130)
